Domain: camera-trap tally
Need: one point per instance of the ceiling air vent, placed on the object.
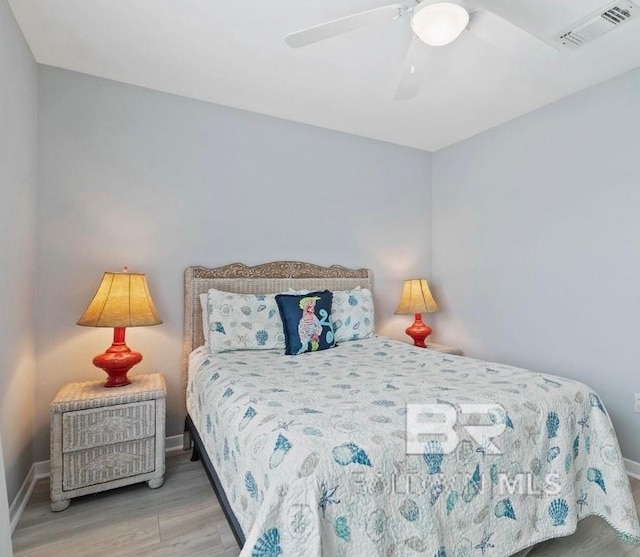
(597, 24)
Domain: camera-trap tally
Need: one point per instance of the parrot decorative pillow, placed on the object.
(306, 321)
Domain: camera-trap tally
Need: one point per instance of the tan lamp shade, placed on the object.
(416, 298)
(122, 300)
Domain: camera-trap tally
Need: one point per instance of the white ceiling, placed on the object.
(233, 53)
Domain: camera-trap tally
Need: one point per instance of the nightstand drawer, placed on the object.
(105, 464)
(94, 427)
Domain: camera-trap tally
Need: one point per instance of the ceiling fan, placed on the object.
(436, 24)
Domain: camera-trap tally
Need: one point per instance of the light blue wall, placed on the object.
(18, 173)
(159, 182)
(536, 244)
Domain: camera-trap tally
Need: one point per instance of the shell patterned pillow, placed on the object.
(352, 314)
(243, 322)
(205, 318)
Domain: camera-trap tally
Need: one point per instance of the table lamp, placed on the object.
(122, 301)
(417, 299)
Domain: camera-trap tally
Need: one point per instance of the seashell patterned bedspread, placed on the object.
(311, 452)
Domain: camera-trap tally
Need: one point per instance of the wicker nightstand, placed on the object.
(444, 349)
(104, 438)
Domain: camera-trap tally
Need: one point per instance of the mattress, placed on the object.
(311, 451)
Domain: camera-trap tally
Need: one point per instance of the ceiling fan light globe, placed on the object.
(439, 24)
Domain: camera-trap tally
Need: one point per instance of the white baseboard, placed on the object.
(22, 498)
(40, 470)
(174, 444)
(633, 468)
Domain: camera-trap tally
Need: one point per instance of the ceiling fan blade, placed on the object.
(507, 36)
(345, 24)
(413, 70)
(426, 63)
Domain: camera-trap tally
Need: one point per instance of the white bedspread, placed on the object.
(310, 450)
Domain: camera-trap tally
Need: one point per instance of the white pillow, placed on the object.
(301, 292)
(243, 322)
(205, 318)
(352, 314)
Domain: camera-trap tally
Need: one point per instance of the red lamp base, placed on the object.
(419, 331)
(117, 360)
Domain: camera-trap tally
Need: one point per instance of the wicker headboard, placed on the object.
(268, 278)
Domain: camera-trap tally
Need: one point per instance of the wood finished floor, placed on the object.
(183, 518)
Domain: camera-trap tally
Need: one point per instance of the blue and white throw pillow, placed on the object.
(352, 314)
(306, 321)
(243, 322)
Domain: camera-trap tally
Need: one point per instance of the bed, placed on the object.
(307, 454)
